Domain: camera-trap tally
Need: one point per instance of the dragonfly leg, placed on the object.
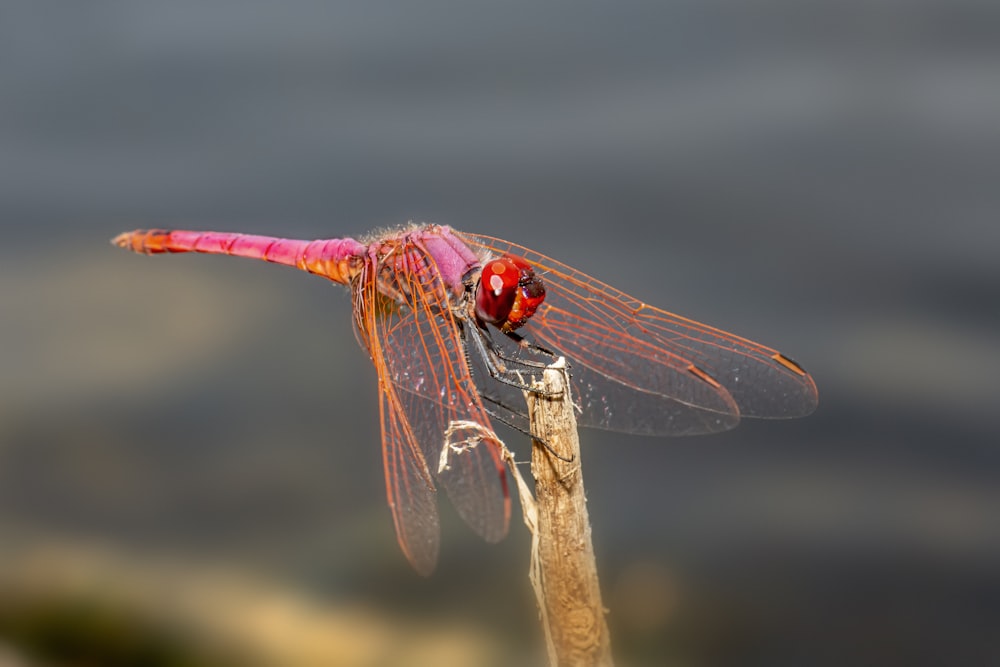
(493, 359)
(521, 429)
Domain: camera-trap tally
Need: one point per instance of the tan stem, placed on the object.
(564, 568)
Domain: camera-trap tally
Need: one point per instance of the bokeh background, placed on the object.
(189, 462)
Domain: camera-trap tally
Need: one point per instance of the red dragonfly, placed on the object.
(454, 322)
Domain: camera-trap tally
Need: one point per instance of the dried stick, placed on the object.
(563, 569)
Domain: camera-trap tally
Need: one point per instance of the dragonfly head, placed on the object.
(508, 292)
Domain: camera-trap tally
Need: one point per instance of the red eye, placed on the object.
(509, 292)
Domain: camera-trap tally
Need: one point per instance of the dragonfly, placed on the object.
(455, 325)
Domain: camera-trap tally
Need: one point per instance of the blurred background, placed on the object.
(190, 470)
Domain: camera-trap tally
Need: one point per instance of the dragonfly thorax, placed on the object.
(508, 293)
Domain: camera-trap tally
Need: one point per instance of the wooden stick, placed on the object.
(564, 571)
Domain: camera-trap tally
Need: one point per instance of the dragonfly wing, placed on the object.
(420, 354)
(643, 370)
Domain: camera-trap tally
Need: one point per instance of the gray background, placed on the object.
(821, 177)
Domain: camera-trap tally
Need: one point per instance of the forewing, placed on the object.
(423, 359)
(640, 369)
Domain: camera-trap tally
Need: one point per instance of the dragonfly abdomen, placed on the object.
(336, 259)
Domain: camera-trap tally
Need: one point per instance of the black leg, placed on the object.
(493, 360)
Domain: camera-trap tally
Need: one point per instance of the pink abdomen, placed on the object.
(336, 259)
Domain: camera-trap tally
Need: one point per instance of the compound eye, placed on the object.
(509, 292)
(496, 291)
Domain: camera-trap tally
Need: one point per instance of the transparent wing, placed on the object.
(639, 369)
(430, 401)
